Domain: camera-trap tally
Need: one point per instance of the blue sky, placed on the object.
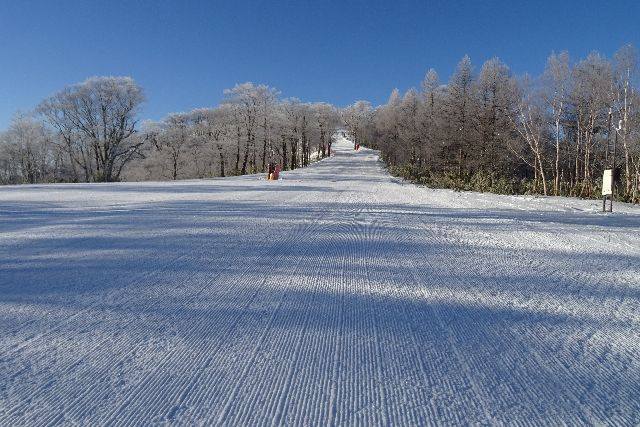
(184, 53)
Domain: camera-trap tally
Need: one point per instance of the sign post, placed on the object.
(607, 189)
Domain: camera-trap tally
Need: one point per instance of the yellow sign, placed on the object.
(607, 181)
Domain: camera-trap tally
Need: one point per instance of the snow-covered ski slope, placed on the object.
(336, 296)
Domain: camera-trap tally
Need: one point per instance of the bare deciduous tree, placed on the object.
(96, 119)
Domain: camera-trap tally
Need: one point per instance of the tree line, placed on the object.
(553, 134)
(90, 132)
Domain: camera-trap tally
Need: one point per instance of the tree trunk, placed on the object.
(542, 175)
(556, 179)
(294, 154)
(175, 167)
(253, 164)
(264, 155)
(627, 167)
(221, 162)
(284, 153)
(245, 159)
(238, 137)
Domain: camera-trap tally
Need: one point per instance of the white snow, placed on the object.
(338, 295)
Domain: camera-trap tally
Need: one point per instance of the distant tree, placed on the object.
(327, 118)
(460, 109)
(356, 118)
(590, 101)
(268, 98)
(251, 103)
(293, 112)
(529, 120)
(171, 136)
(96, 120)
(429, 121)
(496, 99)
(556, 85)
(27, 151)
(216, 126)
(625, 105)
(386, 121)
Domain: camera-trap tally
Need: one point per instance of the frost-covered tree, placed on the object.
(170, 139)
(293, 111)
(96, 119)
(459, 108)
(252, 128)
(625, 105)
(496, 100)
(556, 82)
(590, 100)
(327, 119)
(216, 126)
(429, 120)
(356, 118)
(27, 153)
(530, 121)
(494, 131)
(252, 109)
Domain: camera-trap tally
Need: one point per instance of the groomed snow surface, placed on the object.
(335, 296)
